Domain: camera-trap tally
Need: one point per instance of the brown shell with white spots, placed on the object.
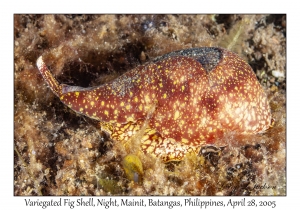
(182, 100)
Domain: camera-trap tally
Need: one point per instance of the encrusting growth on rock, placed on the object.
(194, 97)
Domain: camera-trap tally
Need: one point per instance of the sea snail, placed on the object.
(189, 98)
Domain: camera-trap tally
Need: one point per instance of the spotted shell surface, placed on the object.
(181, 101)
